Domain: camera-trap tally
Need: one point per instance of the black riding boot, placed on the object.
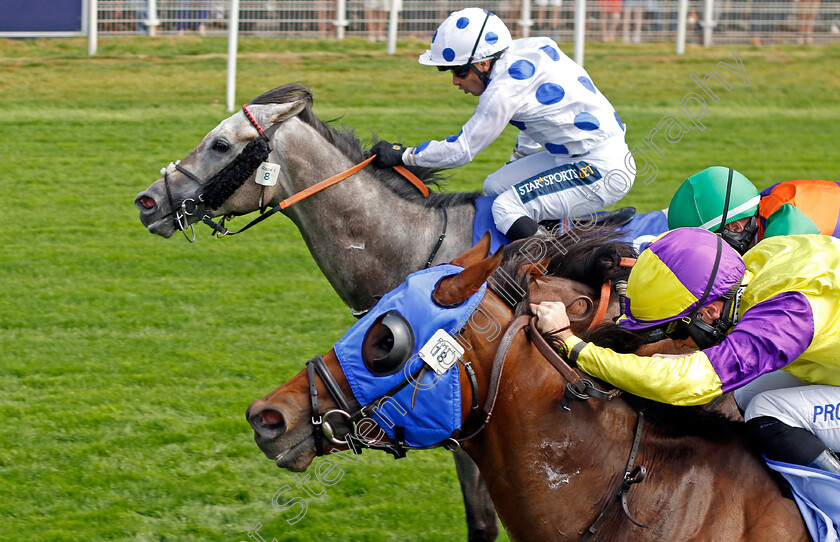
(781, 442)
(522, 228)
(827, 461)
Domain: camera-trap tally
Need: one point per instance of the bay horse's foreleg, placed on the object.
(482, 522)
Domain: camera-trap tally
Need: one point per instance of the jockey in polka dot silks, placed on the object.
(570, 157)
(774, 312)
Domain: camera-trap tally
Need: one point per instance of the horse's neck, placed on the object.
(551, 472)
(365, 238)
(538, 461)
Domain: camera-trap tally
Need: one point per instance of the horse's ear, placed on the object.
(535, 270)
(455, 289)
(475, 254)
(279, 112)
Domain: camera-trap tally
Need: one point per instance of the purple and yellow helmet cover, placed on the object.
(672, 273)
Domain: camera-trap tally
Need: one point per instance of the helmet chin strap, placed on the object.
(707, 335)
(740, 241)
(704, 334)
(483, 76)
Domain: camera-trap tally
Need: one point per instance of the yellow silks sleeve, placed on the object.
(684, 381)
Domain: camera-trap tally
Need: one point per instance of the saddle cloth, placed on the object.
(640, 231)
(817, 494)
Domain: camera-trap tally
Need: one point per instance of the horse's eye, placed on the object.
(388, 344)
(221, 145)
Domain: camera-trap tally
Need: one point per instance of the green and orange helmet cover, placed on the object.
(700, 200)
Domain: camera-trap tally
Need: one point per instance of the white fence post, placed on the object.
(682, 13)
(340, 18)
(152, 20)
(393, 23)
(93, 26)
(526, 20)
(233, 36)
(580, 30)
(708, 23)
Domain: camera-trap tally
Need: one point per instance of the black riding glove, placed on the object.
(387, 154)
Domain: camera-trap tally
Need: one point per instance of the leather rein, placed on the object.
(190, 206)
(606, 289)
(581, 389)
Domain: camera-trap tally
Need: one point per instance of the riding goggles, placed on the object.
(458, 71)
(676, 330)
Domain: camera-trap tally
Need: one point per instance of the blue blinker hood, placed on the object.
(437, 412)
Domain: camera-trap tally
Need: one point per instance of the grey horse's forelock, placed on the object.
(345, 140)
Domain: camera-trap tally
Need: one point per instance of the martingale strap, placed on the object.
(632, 475)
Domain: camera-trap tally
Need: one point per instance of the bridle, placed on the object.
(213, 193)
(352, 415)
(576, 389)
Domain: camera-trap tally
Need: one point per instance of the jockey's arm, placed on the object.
(769, 336)
(495, 109)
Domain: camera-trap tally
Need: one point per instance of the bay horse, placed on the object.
(559, 466)
(371, 217)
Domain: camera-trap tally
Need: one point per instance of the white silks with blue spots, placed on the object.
(537, 88)
(585, 164)
(437, 412)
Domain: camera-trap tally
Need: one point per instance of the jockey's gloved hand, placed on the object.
(387, 154)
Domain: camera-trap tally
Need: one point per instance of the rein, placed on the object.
(220, 188)
(581, 389)
(606, 288)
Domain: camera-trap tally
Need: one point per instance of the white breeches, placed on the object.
(815, 408)
(545, 186)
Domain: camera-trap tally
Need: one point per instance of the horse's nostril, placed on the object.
(147, 202)
(268, 423)
(271, 417)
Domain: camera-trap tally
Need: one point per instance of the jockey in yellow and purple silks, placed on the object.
(778, 308)
(722, 195)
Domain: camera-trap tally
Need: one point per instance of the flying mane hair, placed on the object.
(586, 254)
(345, 140)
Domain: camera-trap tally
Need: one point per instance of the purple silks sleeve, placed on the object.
(769, 336)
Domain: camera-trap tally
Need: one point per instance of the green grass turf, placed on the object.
(127, 361)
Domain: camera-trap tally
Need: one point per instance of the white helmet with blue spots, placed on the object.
(467, 36)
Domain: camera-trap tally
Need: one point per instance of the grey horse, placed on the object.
(351, 228)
